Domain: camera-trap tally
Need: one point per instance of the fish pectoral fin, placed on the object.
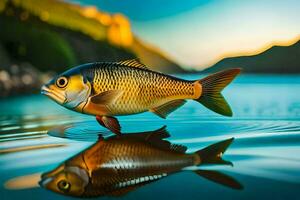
(164, 110)
(107, 97)
(132, 63)
(220, 178)
(110, 123)
(103, 109)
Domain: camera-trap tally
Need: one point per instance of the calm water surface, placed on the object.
(265, 154)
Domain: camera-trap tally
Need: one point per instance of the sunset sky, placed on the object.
(198, 33)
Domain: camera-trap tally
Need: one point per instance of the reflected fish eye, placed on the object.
(62, 82)
(64, 186)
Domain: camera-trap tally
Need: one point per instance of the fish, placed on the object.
(116, 165)
(110, 89)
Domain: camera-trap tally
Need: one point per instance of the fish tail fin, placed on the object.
(213, 153)
(212, 86)
(220, 178)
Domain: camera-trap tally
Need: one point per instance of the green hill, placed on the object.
(39, 38)
(55, 35)
(277, 59)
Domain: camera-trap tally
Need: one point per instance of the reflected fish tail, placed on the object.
(213, 153)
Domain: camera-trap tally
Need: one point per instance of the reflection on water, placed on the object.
(120, 164)
(28, 148)
(265, 153)
(23, 182)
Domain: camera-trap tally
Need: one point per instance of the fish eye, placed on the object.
(62, 82)
(64, 185)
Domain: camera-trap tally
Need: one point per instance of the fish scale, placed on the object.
(142, 89)
(130, 163)
(128, 154)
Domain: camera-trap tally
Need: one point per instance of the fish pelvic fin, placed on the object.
(110, 123)
(213, 153)
(212, 86)
(164, 110)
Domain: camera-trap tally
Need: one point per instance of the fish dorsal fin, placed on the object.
(132, 63)
(158, 134)
(166, 145)
(107, 97)
(164, 110)
(156, 138)
(178, 148)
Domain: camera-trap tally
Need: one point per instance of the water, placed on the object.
(265, 153)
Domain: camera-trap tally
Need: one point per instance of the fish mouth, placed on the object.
(53, 94)
(45, 181)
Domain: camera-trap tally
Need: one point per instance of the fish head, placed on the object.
(68, 89)
(70, 180)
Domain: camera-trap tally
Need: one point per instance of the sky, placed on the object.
(199, 33)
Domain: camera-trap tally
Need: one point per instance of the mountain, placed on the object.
(277, 59)
(55, 35)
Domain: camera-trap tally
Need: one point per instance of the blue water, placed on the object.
(265, 153)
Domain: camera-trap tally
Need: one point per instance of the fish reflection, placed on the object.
(119, 164)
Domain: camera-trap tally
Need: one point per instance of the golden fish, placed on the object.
(129, 87)
(119, 164)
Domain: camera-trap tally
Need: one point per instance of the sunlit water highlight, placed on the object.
(265, 154)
